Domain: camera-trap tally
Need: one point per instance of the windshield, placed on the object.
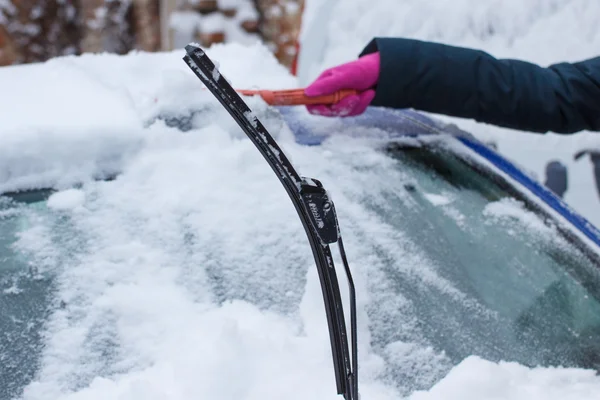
(449, 263)
(509, 285)
(24, 294)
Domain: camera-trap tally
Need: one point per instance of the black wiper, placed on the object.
(315, 209)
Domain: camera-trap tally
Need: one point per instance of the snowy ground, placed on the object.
(144, 262)
(541, 31)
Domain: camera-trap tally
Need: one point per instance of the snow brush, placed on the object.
(315, 209)
(296, 97)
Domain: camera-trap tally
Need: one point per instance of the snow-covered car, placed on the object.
(148, 251)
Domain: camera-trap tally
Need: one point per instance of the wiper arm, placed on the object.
(315, 209)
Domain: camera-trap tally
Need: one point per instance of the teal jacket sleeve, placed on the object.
(467, 83)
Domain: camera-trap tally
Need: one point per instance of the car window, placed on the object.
(24, 295)
(520, 289)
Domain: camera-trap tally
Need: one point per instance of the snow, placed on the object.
(91, 111)
(36, 12)
(540, 31)
(292, 7)
(215, 73)
(184, 25)
(250, 117)
(511, 209)
(247, 12)
(437, 200)
(189, 276)
(229, 4)
(479, 379)
(66, 200)
(212, 23)
(6, 7)
(139, 259)
(187, 24)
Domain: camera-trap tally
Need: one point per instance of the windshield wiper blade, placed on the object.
(316, 211)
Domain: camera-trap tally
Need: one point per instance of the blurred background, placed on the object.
(37, 30)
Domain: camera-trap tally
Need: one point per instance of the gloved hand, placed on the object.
(361, 75)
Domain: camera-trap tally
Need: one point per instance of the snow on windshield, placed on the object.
(189, 276)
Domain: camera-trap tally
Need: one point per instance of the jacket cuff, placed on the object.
(396, 56)
(428, 76)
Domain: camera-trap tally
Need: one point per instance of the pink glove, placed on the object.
(361, 75)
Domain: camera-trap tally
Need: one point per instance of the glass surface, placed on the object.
(523, 291)
(24, 295)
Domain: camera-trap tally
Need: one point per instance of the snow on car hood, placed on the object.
(189, 276)
(75, 117)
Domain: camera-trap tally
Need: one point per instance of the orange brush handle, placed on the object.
(295, 97)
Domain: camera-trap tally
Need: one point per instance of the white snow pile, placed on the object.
(475, 379)
(186, 25)
(188, 276)
(74, 118)
(540, 31)
(66, 200)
